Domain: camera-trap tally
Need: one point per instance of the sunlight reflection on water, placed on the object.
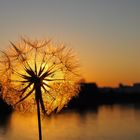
(106, 123)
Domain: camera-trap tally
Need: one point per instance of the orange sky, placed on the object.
(104, 34)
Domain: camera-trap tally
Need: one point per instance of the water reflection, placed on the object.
(118, 122)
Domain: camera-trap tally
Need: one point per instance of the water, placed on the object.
(105, 123)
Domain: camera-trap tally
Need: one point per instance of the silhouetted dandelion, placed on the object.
(38, 75)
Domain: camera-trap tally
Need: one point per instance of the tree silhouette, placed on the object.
(38, 75)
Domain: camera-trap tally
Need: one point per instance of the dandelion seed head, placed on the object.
(50, 65)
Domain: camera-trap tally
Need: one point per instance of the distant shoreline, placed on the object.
(90, 96)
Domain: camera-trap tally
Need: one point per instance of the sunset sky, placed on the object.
(105, 34)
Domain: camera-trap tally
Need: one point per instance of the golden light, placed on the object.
(52, 64)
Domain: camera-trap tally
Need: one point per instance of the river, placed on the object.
(117, 122)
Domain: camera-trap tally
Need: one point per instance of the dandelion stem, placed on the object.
(37, 95)
(39, 121)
